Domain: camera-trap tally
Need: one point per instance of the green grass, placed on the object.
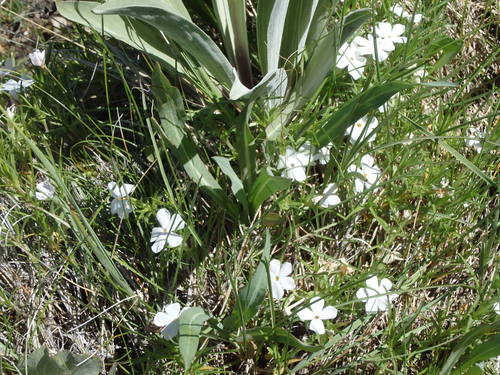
(89, 120)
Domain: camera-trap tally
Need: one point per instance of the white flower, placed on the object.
(328, 198)
(280, 278)
(368, 170)
(13, 87)
(168, 319)
(120, 204)
(323, 154)
(37, 57)
(316, 313)
(349, 57)
(362, 129)
(496, 307)
(399, 11)
(386, 36)
(376, 294)
(44, 190)
(165, 233)
(294, 163)
(475, 139)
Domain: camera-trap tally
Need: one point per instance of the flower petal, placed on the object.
(173, 310)
(317, 326)
(174, 239)
(372, 283)
(371, 306)
(317, 305)
(161, 319)
(277, 289)
(177, 222)
(163, 216)
(329, 312)
(385, 284)
(121, 207)
(275, 267)
(171, 330)
(286, 269)
(306, 314)
(397, 29)
(287, 283)
(158, 245)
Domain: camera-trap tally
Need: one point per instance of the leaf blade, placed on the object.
(190, 324)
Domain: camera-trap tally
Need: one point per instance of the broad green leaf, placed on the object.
(231, 16)
(236, 184)
(468, 339)
(336, 125)
(265, 186)
(252, 295)
(271, 16)
(318, 68)
(190, 324)
(484, 351)
(178, 29)
(172, 116)
(135, 33)
(275, 335)
(63, 363)
(272, 88)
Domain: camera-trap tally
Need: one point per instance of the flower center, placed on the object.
(277, 278)
(316, 317)
(359, 124)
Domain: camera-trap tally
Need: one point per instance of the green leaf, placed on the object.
(63, 363)
(265, 186)
(172, 116)
(178, 29)
(190, 324)
(482, 352)
(231, 16)
(275, 335)
(133, 32)
(336, 125)
(246, 148)
(438, 84)
(468, 339)
(271, 16)
(449, 51)
(252, 295)
(236, 184)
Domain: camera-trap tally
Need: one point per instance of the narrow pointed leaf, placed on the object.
(271, 16)
(172, 116)
(336, 125)
(190, 324)
(178, 29)
(236, 184)
(265, 186)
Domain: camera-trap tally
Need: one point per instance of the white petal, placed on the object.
(398, 29)
(177, 222)
(306, 314)
(372, 283)
(163, 217)
(367, 160)
(173, 310)
(317, 305)
(329, 312)
(161, 319)
(383, 29)
(385, 284)
(171, 330)
(127, 189)
(275, 267)
(385, 44)
(359, 185)
(173, 239)
(286, 269)
(362, 294)
(371, 306)
(317, 326)
(277, 289)
(121, 207)
(158, 245)
(330, 201)
(297, 174)
(287, 283)
(111, 188)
